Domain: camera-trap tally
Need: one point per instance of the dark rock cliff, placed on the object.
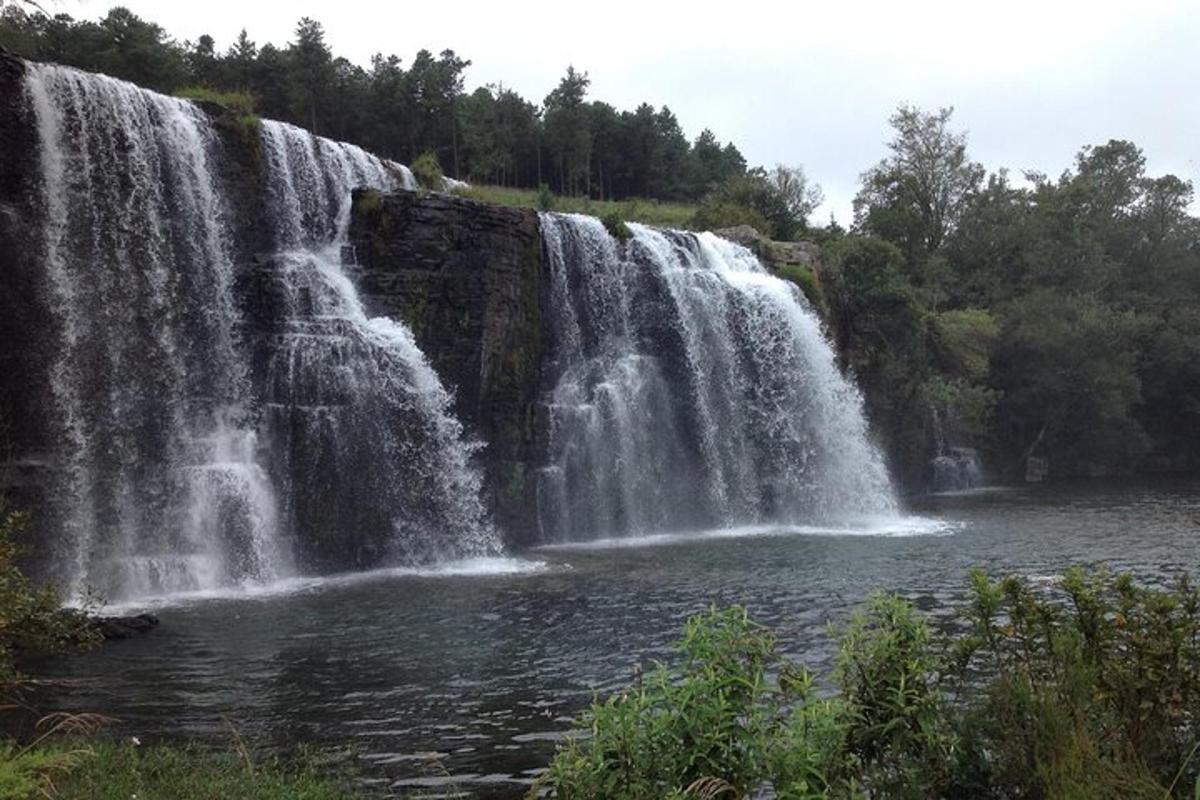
(467, 279)
(23, 316)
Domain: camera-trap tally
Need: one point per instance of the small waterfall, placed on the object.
(393, 480)
(955, 469)
(159, 488)
(691, 388)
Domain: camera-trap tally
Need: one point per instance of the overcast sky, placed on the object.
(799, 82)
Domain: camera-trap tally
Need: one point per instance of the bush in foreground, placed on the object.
(32, 621)
(1087, 689)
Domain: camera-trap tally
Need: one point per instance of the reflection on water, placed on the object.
(467, 679)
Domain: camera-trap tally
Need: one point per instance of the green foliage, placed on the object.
(428, 171)
(647, 212)
(31, 618)
(881, 326)
(616, 226)
(806, 279)
(1089, 688)
(400, 109)
(964, 339)
(775, 204)
(1068, 371)
(715, 213)
(1095, 696)
(898, 731)
(36, 772)
(241, 102)
(915, 196)
(105, 769)
(713, 722)
(1056, 320)
(367, 201)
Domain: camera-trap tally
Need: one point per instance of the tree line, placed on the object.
(491, 135)
(1053, 322)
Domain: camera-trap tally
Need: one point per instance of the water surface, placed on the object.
(465, 677)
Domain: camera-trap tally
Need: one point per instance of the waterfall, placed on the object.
(158, 488)
(394, 480)
(183, 463)
(690, 388)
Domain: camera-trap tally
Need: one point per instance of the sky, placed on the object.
(799, 83)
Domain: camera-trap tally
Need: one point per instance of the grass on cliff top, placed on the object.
(649, 212)
(241, 102)
(106, 769)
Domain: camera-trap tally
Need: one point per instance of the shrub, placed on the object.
(714, 722)
(1089, 688)
(428, 171)
(1100, 692)
(31, 618)
(897, 727)
(806, 279)
(616, 226)
(545, 198)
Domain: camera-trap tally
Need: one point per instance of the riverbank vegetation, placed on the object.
(1050, 322)
(68, 756)
(1085, 687)
(106, 769)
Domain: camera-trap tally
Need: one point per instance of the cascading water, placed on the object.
(691, 389)
(193, 452)
(394, 479)
(159, 490)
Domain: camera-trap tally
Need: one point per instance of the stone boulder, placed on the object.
(778, 254)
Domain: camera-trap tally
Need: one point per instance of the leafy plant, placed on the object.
(31, 618)
(616, 227)
(1087, 688)
(428, 171)
(545, 198)
(709, 725)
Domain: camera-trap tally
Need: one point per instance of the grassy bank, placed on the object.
(649, 212)
(97, 768)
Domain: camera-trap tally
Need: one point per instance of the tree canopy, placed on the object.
(400, 110)
(1071, 303)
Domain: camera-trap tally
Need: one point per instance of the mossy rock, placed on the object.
(808, 282)
(367, 202)
(617, 228)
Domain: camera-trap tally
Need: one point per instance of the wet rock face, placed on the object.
(467, 278)
(24, 347)
(957, 469)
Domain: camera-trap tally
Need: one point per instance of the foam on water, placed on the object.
(881, 527)
(481, 568)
